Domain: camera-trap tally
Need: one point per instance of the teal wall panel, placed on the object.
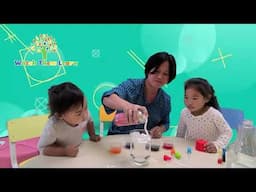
(101, 56)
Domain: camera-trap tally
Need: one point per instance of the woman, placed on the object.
(145, 95)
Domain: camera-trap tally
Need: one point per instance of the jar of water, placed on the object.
(140, 147)
(243, 152)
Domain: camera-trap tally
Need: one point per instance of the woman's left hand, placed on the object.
(156, 132)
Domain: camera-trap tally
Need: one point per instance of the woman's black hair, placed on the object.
(205, 88)
(63, 96)
(156, 60)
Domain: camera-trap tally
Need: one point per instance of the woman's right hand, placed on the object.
(132, 112)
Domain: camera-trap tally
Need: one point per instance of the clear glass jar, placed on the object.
(140, 147)
(243, 152)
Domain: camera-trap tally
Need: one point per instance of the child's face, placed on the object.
(76, 115)
(194, 100)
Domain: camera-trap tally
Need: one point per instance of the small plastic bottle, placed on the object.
(121, 119)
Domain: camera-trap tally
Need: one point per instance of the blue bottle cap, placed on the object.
(189, 150)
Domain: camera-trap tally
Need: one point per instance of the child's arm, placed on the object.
(181, 131)
(55, 150)
(225, 132)
(91, 131)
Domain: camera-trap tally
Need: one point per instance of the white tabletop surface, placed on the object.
(97, 155)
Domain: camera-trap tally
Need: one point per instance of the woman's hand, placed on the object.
(132, 112)
(157, 131)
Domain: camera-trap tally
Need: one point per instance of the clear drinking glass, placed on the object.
(140, 147)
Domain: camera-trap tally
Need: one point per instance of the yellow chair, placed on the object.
(104, 117)
(22, 129)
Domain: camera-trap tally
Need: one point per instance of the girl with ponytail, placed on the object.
(201, 119)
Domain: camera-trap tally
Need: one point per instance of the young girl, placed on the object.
(201, 119)
(69, 118)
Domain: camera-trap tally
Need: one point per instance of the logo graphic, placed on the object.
(42, 61)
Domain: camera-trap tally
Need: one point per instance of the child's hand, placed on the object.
(71, 151)
(95, 138)
(210, 148)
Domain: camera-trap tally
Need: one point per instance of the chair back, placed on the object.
(24, 128)
(234, 117)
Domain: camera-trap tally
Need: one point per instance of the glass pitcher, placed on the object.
(242, 153)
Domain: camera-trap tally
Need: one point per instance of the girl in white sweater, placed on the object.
(201, 119)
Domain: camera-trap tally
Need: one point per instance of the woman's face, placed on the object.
(160, 77)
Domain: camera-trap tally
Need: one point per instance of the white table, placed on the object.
(97, 155)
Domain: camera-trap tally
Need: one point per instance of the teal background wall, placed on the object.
(104, 55)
